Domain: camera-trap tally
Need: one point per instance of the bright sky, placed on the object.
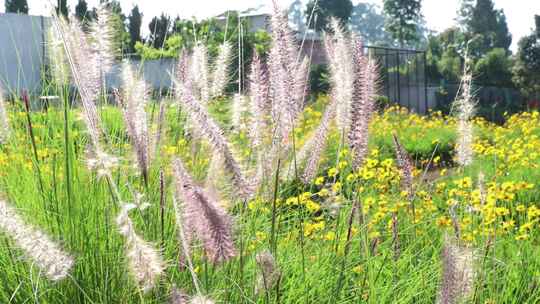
(439, 14)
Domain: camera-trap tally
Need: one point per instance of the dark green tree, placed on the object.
(325, 9)
(159, 30)
(537, 21)
(486, 26)
(403, 17)
(367, 22)
(61, 8)
(81, 10)
(16, 6)
(134, 27)
(494, 69)
(526, 71)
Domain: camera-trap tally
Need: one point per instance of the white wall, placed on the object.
(21, 52)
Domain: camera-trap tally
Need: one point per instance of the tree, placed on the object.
(134, 27)
(296, 16)
(61, 8)
(486, 26)
(81, 10)
(369, 24)
(120, 36)
(494, 69)
(340, 9)
(526, 72)
(402, 20)
(16, 6)
(159, 30)
(444, 55)
(537, 22)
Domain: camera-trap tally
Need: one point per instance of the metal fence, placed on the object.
(403, 76)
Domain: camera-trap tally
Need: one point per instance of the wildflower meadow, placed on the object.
(269, 194)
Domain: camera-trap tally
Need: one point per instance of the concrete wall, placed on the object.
(21, 52)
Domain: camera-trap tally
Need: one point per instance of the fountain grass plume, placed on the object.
(259, 108)
(88, 61)
(133, 100)
(161, 125)
(57, 58)
(363, 103)
(178, 296)
(145, 262)
(202, 216)
(458, 272)
(101, 32)
(315, 146)
(220, 76)
(339, 53)
(5, 129)
(238, 110)
(36, 245)
(269, 273)
(406, 166)
(207, 127)
(464, 105)
(201, 300)
(258, 98)
(181, 74)
(287, 77)
(199, 72)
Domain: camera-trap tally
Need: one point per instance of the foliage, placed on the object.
(159, 30)
(185, 33)
(403, 19)
(61, 8)
(486, 26)
(16, 6)
(319, 82)
(120, 37)
(134, 27)
(82, 13)
(494, 69)
(444, 55)
(340, 9)
(526, 72)
(367, 22)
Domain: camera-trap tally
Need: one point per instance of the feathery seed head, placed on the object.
(145, 262)
(199, 72)
(405, 165)
(57, 57)
(315, 146)
(133, 100)
(340, 56)
(221, 70)
(458, 272)
(4, 121)
(203, 217)
(214, 134)
(363, 103)
(200, 300)
(269, 272)
(464, 105)
(36, 245)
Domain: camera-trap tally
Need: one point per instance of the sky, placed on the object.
(439, 14)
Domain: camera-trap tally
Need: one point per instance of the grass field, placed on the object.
(317, 259)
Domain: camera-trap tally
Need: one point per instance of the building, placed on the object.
(257, 18)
